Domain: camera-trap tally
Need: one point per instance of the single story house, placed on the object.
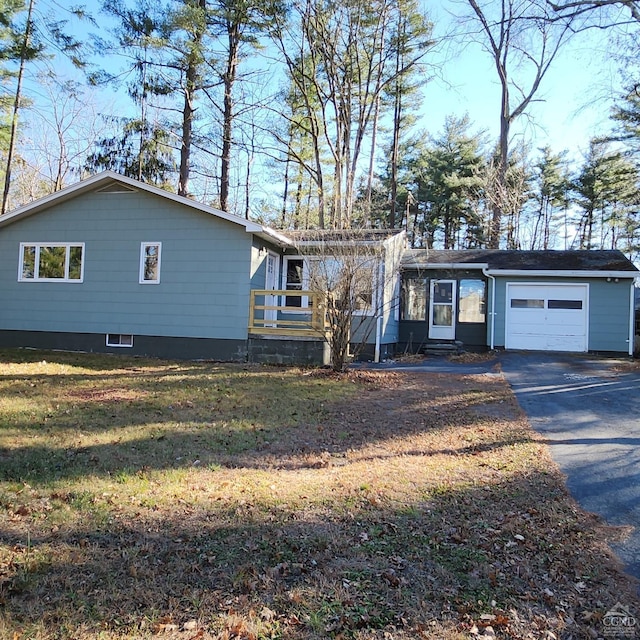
(580, 301)
(110, 264)
(114, 265)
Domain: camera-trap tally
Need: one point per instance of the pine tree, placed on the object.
(607, 193)
(550, 192)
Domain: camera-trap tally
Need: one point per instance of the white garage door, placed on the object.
(545, 317)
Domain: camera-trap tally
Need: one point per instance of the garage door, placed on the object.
(547, 317)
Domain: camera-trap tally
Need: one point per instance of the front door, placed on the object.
(442, 310)
(272, 278)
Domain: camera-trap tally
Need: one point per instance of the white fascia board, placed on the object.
(556, 273)
(111, 176)
(271, 235)
(446, 265)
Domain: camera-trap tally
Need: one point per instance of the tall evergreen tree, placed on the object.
(452, 182)
(626, 116)
(550, 191)
(607, 194)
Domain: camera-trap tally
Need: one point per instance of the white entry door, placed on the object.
(442, 310)
(547, 317)
(272, 278)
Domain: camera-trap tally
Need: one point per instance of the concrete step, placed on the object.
(444, 348)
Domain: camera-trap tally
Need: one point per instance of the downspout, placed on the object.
(632, 318)
(492, 315)
(376, 357)
(380, 310)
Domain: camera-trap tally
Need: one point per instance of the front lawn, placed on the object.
(144, 498)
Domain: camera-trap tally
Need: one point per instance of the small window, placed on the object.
(119, 340)
(51, 262)
(564, 304)
(443, 292)
(471, 305)
(520, 303)
(414, 299)
(150, 262)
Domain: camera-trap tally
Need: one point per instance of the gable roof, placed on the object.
(111, 182)
(599, 263)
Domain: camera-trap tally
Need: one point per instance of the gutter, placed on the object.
(376, 357)
(444, 265)
(632, 319)
(558, 273)
(272, 234)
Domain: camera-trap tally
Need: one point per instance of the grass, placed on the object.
(201, 500)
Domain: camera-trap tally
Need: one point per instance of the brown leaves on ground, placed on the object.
(403, 505)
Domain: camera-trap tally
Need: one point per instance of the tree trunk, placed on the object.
(16, 106)
(227, 125)
(191, 88)
(372, 157)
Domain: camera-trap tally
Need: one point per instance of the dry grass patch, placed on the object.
(198, 500)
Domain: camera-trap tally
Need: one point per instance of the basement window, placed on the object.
(119, 340)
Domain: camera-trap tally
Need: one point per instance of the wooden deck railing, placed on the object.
(269, 313)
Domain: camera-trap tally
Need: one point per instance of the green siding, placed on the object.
(204, 280)
(609, 311)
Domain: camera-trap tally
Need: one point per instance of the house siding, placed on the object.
(210, 301)
(414, 334)
(609, 315)
(608, 311)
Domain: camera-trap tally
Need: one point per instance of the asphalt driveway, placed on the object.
(588, 409)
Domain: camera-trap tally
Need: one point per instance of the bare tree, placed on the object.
(340, 60)
(355, 272)
(523, 43)
(576, 8)
(63, 126)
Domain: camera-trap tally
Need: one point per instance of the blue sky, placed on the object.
(574, 98)
(572, 106)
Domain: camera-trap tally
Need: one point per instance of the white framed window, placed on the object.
(51, 262)
(296, 278)
(414, 298)
(471, 301)
(340, 278)
(119, 340)
(150, 262)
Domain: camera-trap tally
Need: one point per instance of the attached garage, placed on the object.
(577, 300)
(547, 317)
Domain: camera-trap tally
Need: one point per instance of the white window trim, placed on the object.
(143, 246)
(119, 345)
(304, 308)
(38, 245)
(306, 262)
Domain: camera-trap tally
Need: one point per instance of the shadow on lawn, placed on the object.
(322, 572)
(204, 415)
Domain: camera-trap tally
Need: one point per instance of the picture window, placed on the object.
(51, 262)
